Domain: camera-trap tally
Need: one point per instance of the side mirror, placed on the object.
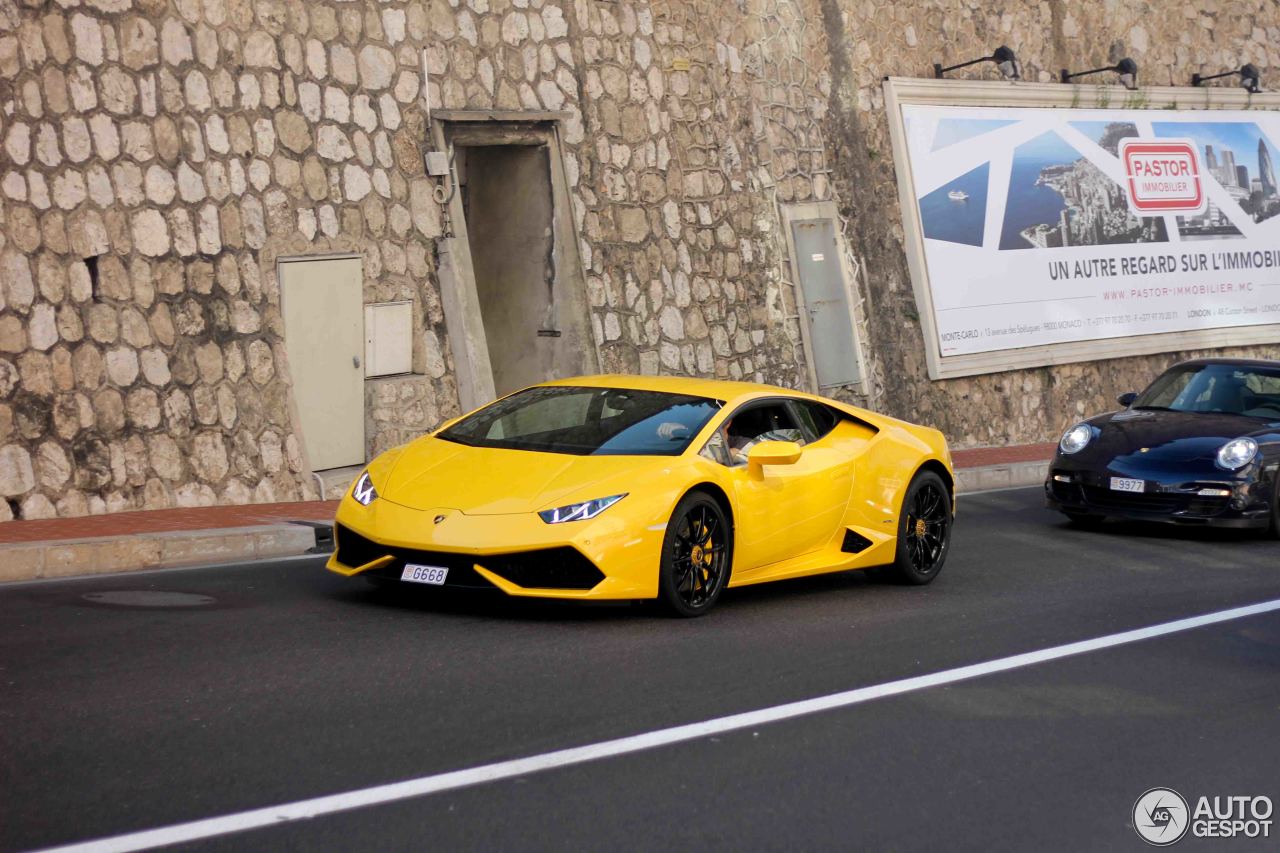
(774, 453)
(1126, 399)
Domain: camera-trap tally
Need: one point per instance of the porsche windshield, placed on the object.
(1235, 389)
(587, 421)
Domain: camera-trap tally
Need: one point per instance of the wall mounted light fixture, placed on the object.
(1002, 56)
(1250, 77)
(1126, 68)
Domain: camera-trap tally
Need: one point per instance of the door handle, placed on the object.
(355, 361)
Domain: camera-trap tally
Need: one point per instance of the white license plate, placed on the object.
(1124, 484)
(434, 575)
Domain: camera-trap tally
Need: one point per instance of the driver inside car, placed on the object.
(752, 427)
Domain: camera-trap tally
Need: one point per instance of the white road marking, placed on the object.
(318, 806)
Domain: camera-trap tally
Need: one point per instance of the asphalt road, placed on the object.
(275, 682)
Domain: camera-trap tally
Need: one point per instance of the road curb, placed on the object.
(24, 561)
(1010, 475)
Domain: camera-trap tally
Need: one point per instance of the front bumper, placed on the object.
(1170, 497)
(519, 554)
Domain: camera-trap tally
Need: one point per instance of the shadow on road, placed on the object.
(493, 604)
(1171, 532)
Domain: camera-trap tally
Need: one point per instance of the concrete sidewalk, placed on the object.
(151, 539)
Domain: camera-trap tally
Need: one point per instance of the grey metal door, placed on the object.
(827, 302)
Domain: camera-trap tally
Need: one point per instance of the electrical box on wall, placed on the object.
(388, 338)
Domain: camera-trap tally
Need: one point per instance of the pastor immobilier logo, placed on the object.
(1162, 816)
(1163, 176)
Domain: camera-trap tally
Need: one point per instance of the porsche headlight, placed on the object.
(363, 490)
(1237, 453)
(579, 511)
(1075, 439)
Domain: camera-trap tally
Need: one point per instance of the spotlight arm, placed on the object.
(1197, 79)
(938, 70)
(1067, 75)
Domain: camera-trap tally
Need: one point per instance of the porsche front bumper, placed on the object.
(1179, 497)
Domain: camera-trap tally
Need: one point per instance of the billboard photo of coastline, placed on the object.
(1242, 161)
(957, 211)
(1058, 198)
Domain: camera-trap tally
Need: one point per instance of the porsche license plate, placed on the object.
(1124, 484)
(434, 575)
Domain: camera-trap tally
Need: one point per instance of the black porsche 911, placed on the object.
(1200, 446)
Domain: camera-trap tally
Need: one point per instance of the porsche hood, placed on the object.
(434, 473)
(1172, 437)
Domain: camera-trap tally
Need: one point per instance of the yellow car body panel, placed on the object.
(476, 504)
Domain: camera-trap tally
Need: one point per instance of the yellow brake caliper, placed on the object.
(701, 554)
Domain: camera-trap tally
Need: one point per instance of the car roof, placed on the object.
(1239, 362)
(715, 388)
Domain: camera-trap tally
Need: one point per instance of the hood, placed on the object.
(1172, 437)
(432, 473)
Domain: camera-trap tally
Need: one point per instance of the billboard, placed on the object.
(1055, 234)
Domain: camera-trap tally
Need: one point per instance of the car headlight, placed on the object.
(1075, 439)
(579, 511)
(1237, 453)
(363, 490)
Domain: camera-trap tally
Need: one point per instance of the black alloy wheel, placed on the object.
(924, 530)
(696, 554)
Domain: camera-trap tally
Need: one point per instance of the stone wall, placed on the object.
(158, 156)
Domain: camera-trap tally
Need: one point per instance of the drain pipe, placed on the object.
(319, 484)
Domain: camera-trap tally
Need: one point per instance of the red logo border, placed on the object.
(1144, 147)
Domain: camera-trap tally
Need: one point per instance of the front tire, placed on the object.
(924, 531)
(696, 556)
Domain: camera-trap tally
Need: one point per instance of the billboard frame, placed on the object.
(901, 91)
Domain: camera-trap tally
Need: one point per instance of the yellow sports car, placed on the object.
(628, 487)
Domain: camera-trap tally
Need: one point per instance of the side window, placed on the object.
(749, 427)
(816, 419)
(716, 450)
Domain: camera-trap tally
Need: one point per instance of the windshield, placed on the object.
(587, 421)
(1233, 389)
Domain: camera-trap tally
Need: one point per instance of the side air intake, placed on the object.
(854, 542)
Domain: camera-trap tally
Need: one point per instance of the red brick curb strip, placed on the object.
(165, 521)
(149, 539)
(983, 456)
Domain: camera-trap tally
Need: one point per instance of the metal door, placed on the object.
(323, 305)
(826, 301)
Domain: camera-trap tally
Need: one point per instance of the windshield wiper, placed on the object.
(1157, 409)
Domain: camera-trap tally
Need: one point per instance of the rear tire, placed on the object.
(924, 531)
(697, 554)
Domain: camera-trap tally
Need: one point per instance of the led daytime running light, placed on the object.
(579, 511)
